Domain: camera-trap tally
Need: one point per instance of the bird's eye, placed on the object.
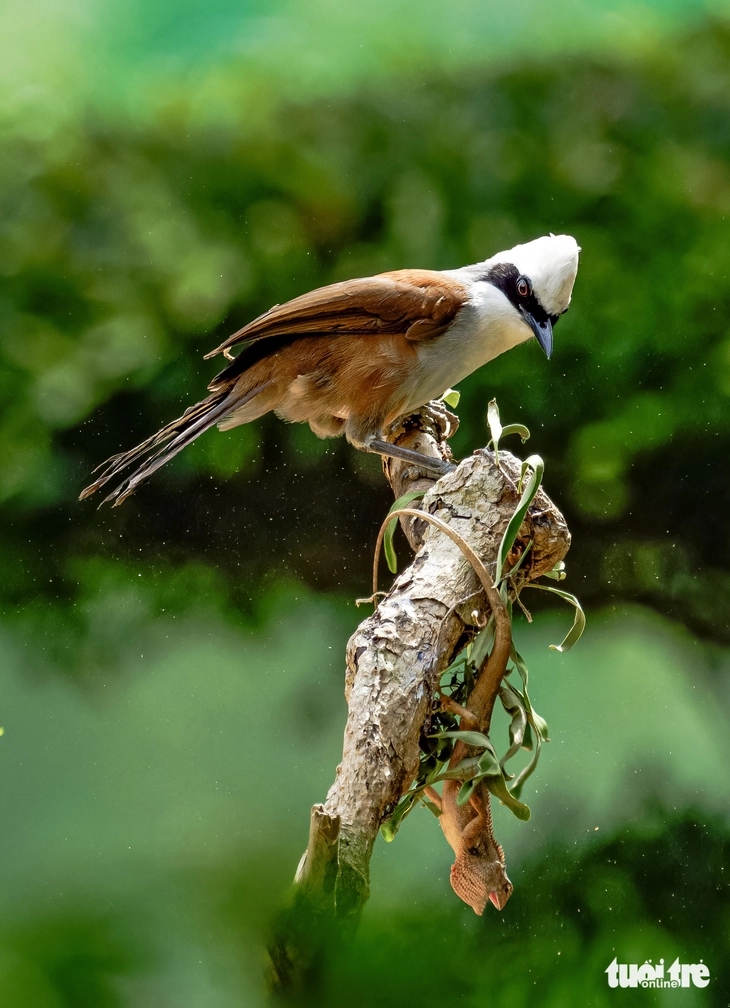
(523, 287)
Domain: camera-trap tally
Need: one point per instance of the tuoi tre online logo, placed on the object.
(677, 975)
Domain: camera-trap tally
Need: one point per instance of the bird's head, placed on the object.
(537, 279)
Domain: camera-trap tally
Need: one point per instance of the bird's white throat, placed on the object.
(485, 328)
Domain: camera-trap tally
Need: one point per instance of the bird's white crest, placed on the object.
(550, 263)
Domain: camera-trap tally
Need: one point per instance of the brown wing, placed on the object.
(419, 304)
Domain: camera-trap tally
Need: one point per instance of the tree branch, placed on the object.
(396, 655)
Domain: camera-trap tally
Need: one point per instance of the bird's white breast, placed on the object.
(486, 326)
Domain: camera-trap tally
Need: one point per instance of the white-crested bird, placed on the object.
(352, 357)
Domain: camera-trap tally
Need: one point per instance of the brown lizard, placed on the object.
(478, 874)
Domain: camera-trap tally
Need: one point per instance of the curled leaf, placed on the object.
(512, 703)
(481, 644)
(540, 726)
(451, 398)
(519, 663)
(527, 742)
(536, 730)
(393, 823)
(516, 428)
(473, 738)
(519, 781)
(579, 622)
(557, 573)
(489, 764)
(466, 790)
(536, 464)
(498, 787)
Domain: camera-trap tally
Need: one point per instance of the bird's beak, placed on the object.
(543, 331)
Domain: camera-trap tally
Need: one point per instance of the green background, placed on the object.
(172, 670)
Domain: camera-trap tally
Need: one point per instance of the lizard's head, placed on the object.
(476, 880)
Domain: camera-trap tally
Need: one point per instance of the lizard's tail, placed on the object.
(173, 438)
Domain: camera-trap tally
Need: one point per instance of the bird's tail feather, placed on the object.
(173, 438)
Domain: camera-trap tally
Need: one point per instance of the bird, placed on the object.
(352, 357)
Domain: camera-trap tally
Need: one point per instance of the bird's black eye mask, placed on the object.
(518, 290)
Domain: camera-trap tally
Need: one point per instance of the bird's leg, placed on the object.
(438, 466)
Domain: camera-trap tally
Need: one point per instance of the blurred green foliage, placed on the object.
(573, 913)
(153, 815)
(129, 54)
(645, 893)
(128, 250)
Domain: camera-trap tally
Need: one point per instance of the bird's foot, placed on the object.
(444, 420)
